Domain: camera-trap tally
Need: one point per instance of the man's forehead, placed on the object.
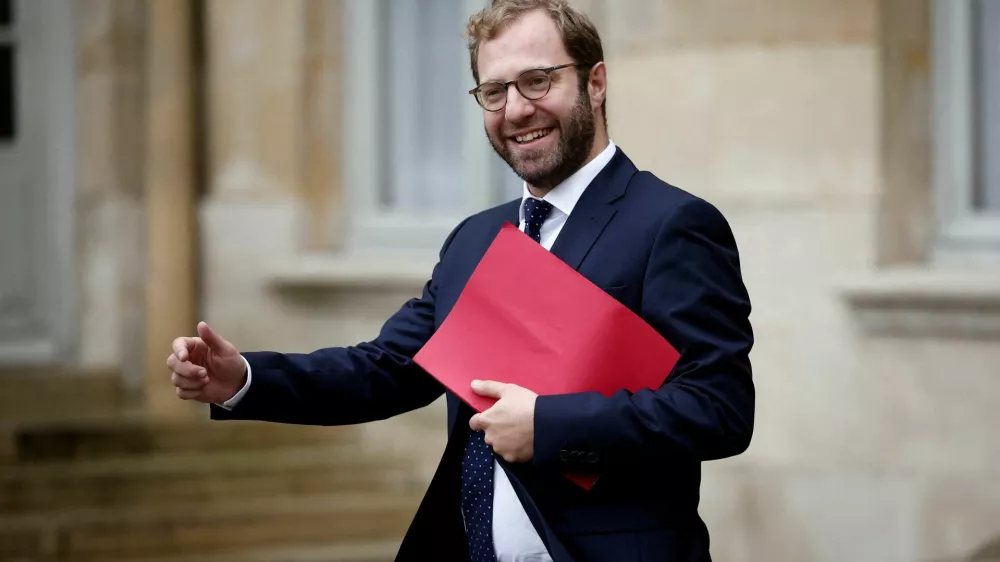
(512, 73)
(533, 41)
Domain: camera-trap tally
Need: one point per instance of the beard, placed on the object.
(545, 170)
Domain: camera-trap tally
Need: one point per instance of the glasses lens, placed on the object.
(533, 84)
(492, 95)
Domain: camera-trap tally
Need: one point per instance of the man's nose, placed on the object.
(518, 107)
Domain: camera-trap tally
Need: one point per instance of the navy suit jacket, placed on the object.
(664, 253)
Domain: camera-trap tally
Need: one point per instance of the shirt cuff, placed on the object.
(232, 402)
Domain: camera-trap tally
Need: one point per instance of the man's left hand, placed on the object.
(510, 423)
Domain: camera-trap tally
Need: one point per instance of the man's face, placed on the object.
(560, 126)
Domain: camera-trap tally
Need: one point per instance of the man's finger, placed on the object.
(188, 383)
(181, 347)
(188, 370)
(211, 338)
(173, 362)
(477, 423)
(490, 389)
(188, 394)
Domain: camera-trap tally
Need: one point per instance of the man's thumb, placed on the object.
(213, 340)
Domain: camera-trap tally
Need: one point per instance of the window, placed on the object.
(15, 278)
(8, 97)
(416, 158)
(987, 94)
(37, 135)
(966, 89)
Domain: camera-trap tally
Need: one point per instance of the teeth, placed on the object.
(531, 136)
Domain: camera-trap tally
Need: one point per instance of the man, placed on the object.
(499, 493)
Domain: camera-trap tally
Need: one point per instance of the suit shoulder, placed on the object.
(666, 200)
(483, 223)
(494, 215)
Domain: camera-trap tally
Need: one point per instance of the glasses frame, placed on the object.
(506, 85)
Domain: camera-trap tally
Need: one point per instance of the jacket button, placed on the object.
(592, 458)
(563, 455)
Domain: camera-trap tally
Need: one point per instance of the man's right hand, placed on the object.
(206, 368)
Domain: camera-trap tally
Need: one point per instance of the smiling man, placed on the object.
(499, 491)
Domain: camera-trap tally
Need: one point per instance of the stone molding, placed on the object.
(925, 302)
(312, 272)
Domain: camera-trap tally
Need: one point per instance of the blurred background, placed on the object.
(287, 171)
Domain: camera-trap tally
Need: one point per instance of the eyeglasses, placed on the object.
(532, 84)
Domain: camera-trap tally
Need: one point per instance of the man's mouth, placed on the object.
(533, 135)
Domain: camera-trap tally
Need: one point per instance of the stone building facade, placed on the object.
(287, 170)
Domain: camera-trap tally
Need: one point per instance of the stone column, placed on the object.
(322, 189)
(255, 98)
(274, 105)
(906, 216)
(272, 111)
(171, 293)
(110, 66)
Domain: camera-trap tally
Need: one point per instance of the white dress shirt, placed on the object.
(514, 537)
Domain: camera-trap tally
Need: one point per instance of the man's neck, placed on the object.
(538, 192)
(600, 143)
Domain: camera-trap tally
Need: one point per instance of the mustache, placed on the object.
(511, 131)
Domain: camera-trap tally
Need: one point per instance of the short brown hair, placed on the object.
(579, 35)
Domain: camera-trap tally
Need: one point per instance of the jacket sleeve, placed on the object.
(346, 385)
(693, 294)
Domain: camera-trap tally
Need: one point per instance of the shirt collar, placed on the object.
(565, 195)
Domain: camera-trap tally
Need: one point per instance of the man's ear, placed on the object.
(597, 84)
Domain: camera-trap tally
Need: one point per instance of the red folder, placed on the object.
(527, 318)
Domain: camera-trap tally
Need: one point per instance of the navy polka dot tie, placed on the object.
(477, 473)
(535, 213)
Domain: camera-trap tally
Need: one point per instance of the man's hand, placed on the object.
(510, 423)
(206, 368)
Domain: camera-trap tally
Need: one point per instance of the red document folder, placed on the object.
(527, 318)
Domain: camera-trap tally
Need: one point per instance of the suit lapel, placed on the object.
(594, 210)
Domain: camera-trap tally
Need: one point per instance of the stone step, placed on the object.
(129, 437)
(200, 478)
(45, 392)
(379, 551)
(219, 529)
(371, 551)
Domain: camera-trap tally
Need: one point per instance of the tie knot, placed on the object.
(535, 213)
(536, 210)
